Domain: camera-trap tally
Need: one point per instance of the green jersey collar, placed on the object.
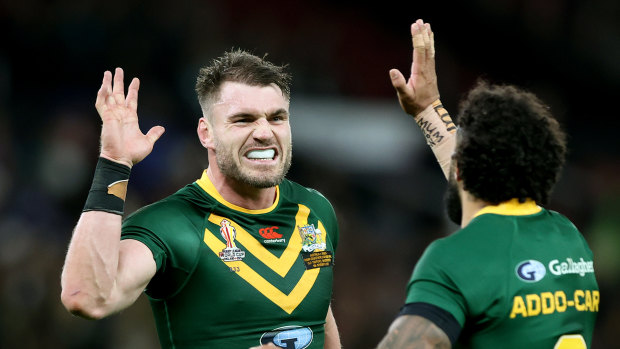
(205, 183)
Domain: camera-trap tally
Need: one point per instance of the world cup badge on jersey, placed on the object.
(311, 238)
(231, 253)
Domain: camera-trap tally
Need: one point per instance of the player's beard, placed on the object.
(452, 201)
(231, 169)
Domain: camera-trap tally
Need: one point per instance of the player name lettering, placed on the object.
(545, 303)
(571, 267)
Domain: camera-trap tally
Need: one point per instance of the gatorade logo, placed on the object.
(289, 337)
(531, 271)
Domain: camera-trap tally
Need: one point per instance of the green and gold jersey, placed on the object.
(517, 276)
(229, 277)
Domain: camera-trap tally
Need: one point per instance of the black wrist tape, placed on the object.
(109, 187)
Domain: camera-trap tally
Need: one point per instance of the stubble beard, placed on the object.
(231, 169)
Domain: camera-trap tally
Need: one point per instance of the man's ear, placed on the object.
(205, 133)
(454, 168)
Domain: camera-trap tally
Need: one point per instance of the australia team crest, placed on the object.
(311, 238)
(231, 253)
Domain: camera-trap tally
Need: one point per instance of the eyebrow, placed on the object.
(280, 111)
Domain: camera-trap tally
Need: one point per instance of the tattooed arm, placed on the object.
(412, 332)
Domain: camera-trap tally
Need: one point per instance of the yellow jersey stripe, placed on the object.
(289, 302)
(512, 208)
(205, 183)
(281, 265)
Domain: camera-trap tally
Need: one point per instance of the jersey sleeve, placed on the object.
(432, 283)
(164, 229)
(441, 318)
(132, 230)
(332, 224)
(326, 214)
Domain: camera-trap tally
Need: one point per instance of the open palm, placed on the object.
(420, 90)
(121, 138)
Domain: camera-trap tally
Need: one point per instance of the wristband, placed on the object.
(109, 187)
(435, 123)
(439, 131)
(444, 116)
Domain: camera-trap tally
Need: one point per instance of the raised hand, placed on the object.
(121, 138)
(421, 89)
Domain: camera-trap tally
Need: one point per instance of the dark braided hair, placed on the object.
(509, 145)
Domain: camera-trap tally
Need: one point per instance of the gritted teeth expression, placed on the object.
(257, 167)
(261, 154)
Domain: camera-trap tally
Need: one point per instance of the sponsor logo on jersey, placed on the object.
(231, 252)
(311, 238)
(289, 337)
(571, 267)
(271, 235)
(531, 270)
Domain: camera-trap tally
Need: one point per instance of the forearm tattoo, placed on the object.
(413, 332)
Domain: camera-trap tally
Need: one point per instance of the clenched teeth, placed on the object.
(261, 154)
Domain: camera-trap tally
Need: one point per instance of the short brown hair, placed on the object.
(241, 66)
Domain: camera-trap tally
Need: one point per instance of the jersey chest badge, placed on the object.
(231, 252)
(313, 248)
(311, 238)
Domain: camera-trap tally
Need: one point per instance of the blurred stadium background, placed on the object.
(352, 141)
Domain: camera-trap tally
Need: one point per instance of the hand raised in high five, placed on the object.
(121, 138)
(421, 89)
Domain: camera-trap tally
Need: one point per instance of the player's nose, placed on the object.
(263, 130)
